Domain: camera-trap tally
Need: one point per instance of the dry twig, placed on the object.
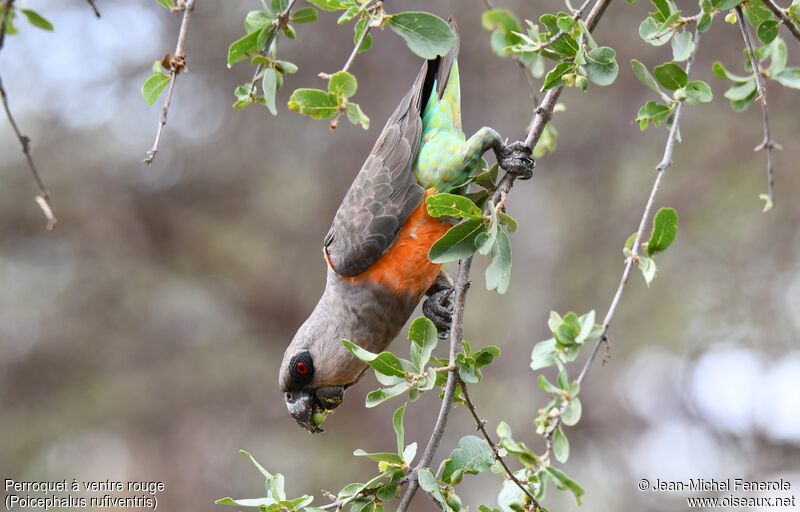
(177, 63)
(768, 143)
(43, 199)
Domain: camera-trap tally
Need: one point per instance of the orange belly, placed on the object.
(405, 267)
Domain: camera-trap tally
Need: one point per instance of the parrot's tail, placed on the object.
(439, 69)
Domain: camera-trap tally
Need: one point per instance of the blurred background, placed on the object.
(140, 340)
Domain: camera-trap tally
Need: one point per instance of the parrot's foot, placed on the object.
(438, 308)
(515, 158)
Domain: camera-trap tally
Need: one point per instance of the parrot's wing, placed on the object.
(383, 194)
(386, 191)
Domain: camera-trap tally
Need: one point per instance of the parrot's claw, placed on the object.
(438, 308)
(515, 158)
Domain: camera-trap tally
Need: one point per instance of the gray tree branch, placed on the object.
(481, 424)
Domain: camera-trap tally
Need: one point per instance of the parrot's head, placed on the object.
(315, 372)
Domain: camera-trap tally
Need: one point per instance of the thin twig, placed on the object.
(499, 458)
(768, 143)
(43, 199)
(456, 330)
(633, 258)
(177, 64)
(94, 8)
(280, 22)
(357, 47)
(781, 14)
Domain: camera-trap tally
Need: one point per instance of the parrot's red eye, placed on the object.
(301, 368)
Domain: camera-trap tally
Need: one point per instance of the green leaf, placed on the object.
(756, 13)
(329, 5)
(565, 45)
(544, 354)
(565, 22)
(794, 12)
(486, 241)
(167, 4)
(240, 49)
(452, 205)
(682, 46)
(601, 66)
(153, 86)
(257, 20)
(264, 36)
(472, 456)
(485, 356)
(704, 23)
(508, 221)
(37, 20)
(397, 423)
(424, 338)
(741, 91)
(665, 228)
(565, 482)
(648, 267)
(652, 112)
(385, 362)
(778, 55)
(498, 273)
(555, 77)
(387, 492)
(725, 5)
(358, 31)
(315, 103)
(269, 83)
(548, 142)
(428, 483)
(670, 76)
(767, 31)
(547, 386)
(355, 115)
(342, 84)
(654, 33)
(500, 19)
(572, 413)
(644, 76)
(697, 91)
(351, 12)
(258, 466)
(560, 446)
(789, 77)
(389, 457)
(719, 71)
(664, 9)
(426, 35)
(257, 502)
(304, 15)
(379, 396)
(457, 243)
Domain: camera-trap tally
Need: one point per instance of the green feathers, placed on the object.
(440, 162)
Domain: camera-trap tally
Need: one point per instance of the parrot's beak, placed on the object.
(309, 407)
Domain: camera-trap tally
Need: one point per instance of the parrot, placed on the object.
(376, 250)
